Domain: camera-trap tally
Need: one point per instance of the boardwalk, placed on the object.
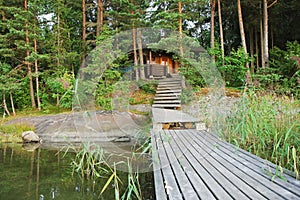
(191, 164)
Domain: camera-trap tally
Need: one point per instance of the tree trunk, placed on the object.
(5, 106)
(99, 17)
(252, 50)
(212, 23)
(141, 56)
(241, 25)
(58, 38)
(262, 45)
(256, 49)
(82, 75)
(266, 32)
(221, 30)
(180, 28)
(57, 99)
(83, 21)
(12, 104)
(137, 77)
(29, 73)
(135, 53)
(36, 66)
(243, 38)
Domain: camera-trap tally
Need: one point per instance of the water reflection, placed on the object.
(32, 172)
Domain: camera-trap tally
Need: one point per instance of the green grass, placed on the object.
(15, 129)
(267, 126)
(13, 132)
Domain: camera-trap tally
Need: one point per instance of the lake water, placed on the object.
(46, 174)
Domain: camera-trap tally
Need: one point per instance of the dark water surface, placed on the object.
(46, 174)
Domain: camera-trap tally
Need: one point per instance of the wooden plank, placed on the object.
(291, 186)
(160, 192)
(166, 98)
(262, 163)
(251, 174)
(199, 185)
(168, 95)
(166, 101)
(218, 171)
(167, 115)
(166, 105)
(203, 167)
(209, 179)
(171, 185)
(184, 184)
(234, 175)
(168, 91)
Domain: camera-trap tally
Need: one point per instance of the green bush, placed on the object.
(234, 68)
(106, 88)
(148, 87)
(283, 74)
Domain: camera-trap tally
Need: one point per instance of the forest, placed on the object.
(44, 43)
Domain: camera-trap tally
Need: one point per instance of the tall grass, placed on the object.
(267, 126)
(91, 163)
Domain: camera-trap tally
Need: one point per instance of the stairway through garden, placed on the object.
(168, 93)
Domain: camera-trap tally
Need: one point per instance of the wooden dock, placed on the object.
(191, 164)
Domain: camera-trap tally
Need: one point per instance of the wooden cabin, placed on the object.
(157, 64)
(162, 58)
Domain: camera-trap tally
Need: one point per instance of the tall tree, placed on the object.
(243, 38)
(241, 25)
(266, 30)
(141, 56)
(83, 21)
(212, 23)
(99, 17)
(180, 27)
(221, 30)
(33, 104)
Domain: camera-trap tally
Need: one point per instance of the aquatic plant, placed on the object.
(91, 163)
(267, 126)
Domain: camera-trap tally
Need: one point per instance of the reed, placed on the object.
(267, 126)
(91, 163)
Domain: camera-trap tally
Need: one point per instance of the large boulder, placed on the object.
(30, 136)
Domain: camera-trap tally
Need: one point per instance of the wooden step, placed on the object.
(168, 95)
(166, 98)
(168, 91)
(167, 101)
(166, 106)
(169, 87)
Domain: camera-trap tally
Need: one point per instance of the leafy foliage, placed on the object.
(106, 87)
(234, 67)
(283, 76)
